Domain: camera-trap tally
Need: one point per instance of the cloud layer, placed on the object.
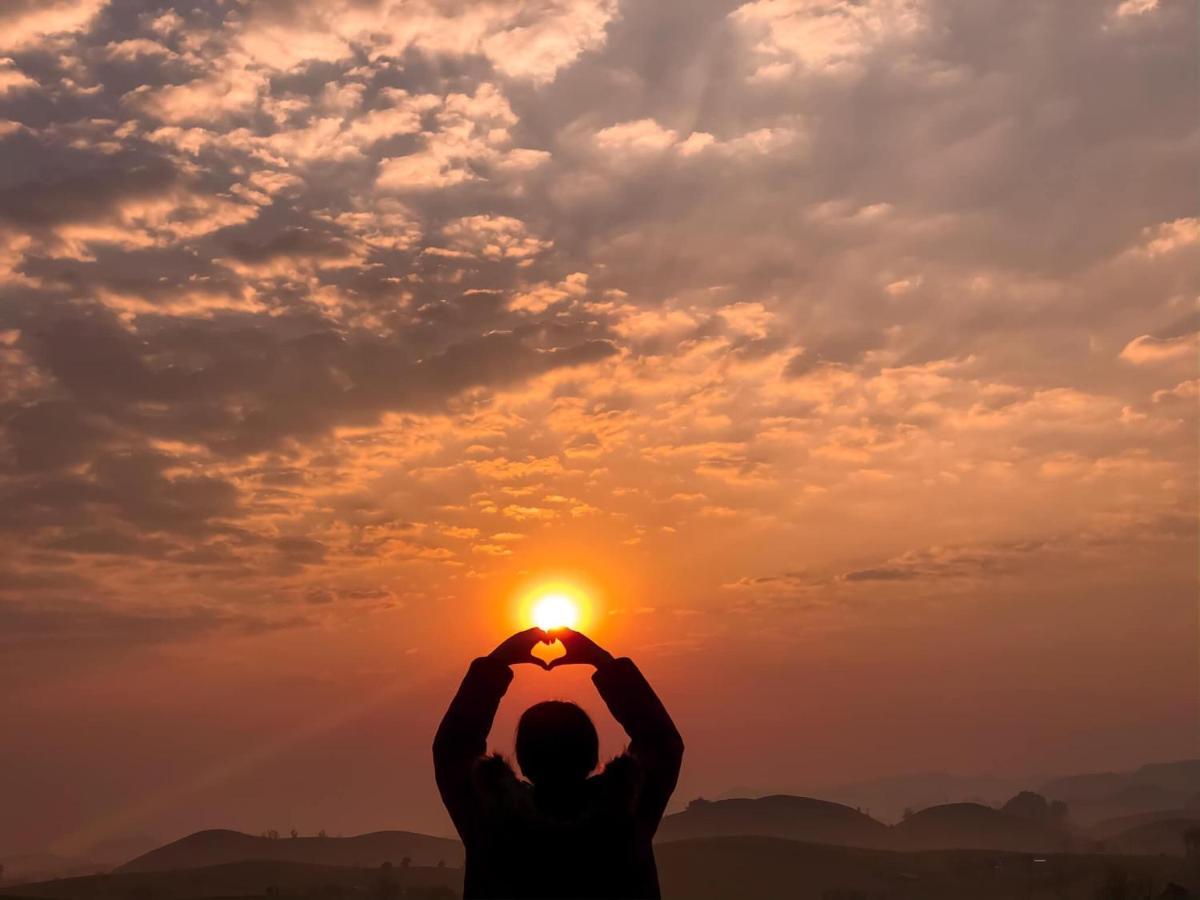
(826, 313)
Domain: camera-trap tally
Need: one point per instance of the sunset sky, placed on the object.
(843, 352)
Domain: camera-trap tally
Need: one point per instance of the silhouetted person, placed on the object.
(564, 832)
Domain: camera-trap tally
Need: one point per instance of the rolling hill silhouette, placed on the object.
(779, 845)
(1105, 795)
(747, 868)
(977, 827)
(750, 868)
(220, 846)
(887, 797)
(1110, 828)
(40, 866)
(267, 878)
(780, 816)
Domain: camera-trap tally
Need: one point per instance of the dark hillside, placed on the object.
(254, 880)
(972, 826)
(781, 816)
(219, 846)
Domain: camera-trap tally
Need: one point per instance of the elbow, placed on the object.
(445, 743)
(674, 746)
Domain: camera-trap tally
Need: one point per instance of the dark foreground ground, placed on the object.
(745, 868)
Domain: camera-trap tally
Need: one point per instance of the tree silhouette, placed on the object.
(1030, 806)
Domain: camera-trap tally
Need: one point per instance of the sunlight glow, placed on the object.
(555, 610)
(555, 601)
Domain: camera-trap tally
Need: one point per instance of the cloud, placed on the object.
(471, 137)
(539, 297)
(640, 136)
(12, 79)
(274, 278)
(1149, 350)
(81, 624)
(131, 206)
(517, 44)
(824, 35)
(1135, 7)
(1171, 236)
(492, 238)
(23, 23)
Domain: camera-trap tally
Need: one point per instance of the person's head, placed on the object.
(556, 743)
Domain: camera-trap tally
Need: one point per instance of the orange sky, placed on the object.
(844, 353)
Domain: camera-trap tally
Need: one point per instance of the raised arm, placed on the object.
(655, 742)
(461, 739)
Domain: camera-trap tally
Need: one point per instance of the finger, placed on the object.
(529, 638)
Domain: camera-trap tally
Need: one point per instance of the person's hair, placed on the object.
(556, 743)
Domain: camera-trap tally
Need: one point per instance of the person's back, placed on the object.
(561, 833)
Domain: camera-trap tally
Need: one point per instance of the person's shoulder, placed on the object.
(493, 772)
(501, 794)
(620, 779)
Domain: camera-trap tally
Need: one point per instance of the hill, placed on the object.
(254, 880)
(41, 866)
(886, 798)
(748, 868)
(1104, 795)
(219, 846)
(974, 826)
(1163, 836)
(781, 816)
(756, 868)
(1110, 828)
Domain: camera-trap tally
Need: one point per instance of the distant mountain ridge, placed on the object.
(252, 879)
(951, 826)
(973, 826)
(719, 868)
(1105, 795)
(1091, 796)
(779, 815)
(1143, 810)
(806, 819)
(221, 846)
(887, 798)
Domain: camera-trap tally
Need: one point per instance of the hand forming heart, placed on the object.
(581, 650)
(518, 649)
(578, 649)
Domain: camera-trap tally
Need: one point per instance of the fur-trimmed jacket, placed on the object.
(515, 847)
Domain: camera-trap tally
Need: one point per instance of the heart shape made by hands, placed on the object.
(547, 653)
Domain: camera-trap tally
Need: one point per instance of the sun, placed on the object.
(555, 610)
(555, 601)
